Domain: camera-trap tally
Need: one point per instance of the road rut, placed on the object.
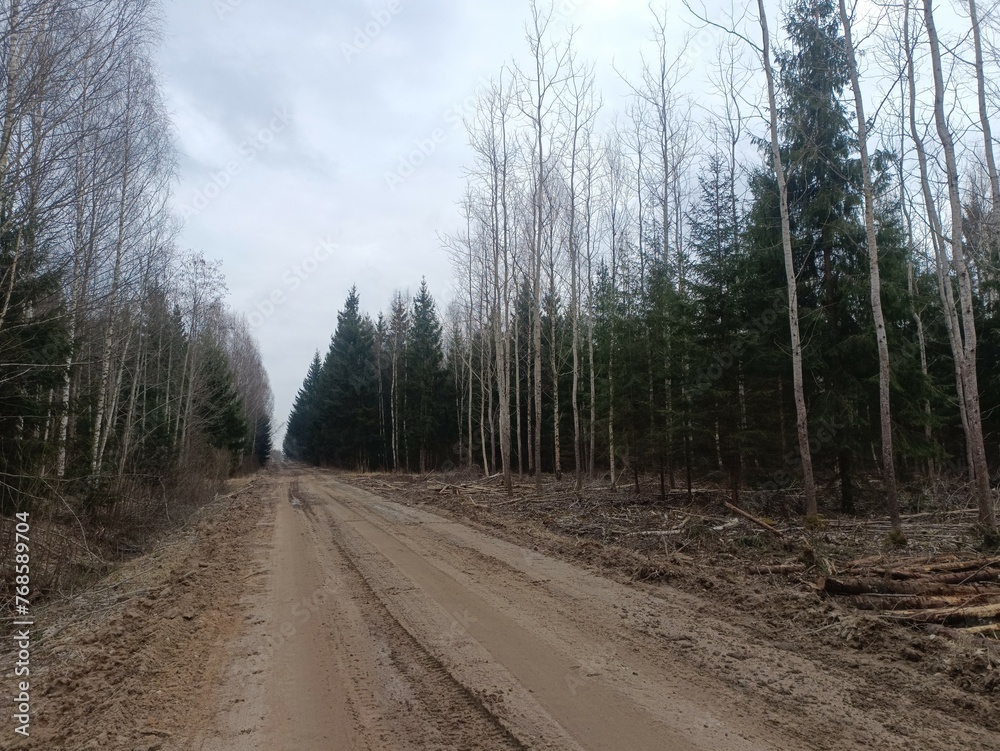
(381, 626)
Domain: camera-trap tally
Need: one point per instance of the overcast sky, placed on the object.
(294, 116)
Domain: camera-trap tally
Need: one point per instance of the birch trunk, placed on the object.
(102, 393)
(501, 296)
(482, 407)
(394, 405)
(911, 284)
(881, 339)
(984, 119)
(537, 345)
(554, 366)
(517, 395)
(801, 415)
(937, 239)
(592, 375)
(977, 447)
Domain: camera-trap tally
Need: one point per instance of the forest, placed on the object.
(686, 434)
(128, 390)
(792, 284)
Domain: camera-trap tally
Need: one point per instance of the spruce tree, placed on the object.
(721, 340)
(828, 236)
(428, 396)
(33, 351)
(348, 392)
(300, 435)
(262, 443)
(220, 407)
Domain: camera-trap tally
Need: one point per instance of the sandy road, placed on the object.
(378, 626)
(298, 612)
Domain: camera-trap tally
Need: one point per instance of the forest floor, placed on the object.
(309, 610)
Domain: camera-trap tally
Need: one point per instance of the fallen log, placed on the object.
(864, 586)
(749, 517)
(969, 564)
(881, 559)
(947, 577)
(862, 562)
(944, 615)
(967, 577)
(891, 602)
(892, 572)
(989, 628)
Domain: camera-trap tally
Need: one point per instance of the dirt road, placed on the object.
(385, 627)
(305, 613)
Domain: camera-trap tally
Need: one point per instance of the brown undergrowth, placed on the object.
(79, 534)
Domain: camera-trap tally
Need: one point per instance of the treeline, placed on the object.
(810, 302)
(123, 377)
(382, 397)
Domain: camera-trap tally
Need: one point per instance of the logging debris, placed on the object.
(958, 590)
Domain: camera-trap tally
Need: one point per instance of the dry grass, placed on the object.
(76, 539)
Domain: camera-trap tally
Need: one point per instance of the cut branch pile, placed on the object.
(960, 592)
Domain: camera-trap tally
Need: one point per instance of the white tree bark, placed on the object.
(881, 339)
(984, 494)
(801, 414)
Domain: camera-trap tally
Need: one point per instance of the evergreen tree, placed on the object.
(219, 406)
(721, 338)
(399, 328)
(300, 435)
(383, 370)
(828, 238)
(825, 199)
(348, 392)
(33, 349)
(428, 396)
(262, 441)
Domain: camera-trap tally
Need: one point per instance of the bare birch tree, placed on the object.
(974, 436)
(801, 413)
(881, 339)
